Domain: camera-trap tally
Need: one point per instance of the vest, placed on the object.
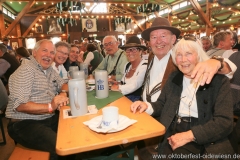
(169, 69)
(14, 64)
(95, 61)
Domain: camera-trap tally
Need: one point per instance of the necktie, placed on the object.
(61, 74)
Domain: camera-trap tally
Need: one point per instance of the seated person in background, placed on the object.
(206, 43)
(72, 58)
(222, 42)
(83, 49)
(8, 64)
(92, 57)
(33, 99)
(235, 45)
(198, 119)
(115, 59)
(132, 80)
(6, 42)
(22, 55)
(61, 55)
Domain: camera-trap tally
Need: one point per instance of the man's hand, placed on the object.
(59, 101)
(138, 105)
(180, 139)
(207, 70)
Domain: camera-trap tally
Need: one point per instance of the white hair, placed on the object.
(110, 36)
(185, 45)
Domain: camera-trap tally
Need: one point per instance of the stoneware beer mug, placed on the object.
(84, 67)
(101, 84)
(72, 68)
(110, 116)
(77, 96)
(77, 74)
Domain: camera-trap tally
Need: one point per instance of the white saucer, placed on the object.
(90, 88)
(123, 122)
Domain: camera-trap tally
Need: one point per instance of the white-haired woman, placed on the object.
(198, 119)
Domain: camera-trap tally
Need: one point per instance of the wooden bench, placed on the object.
(23, 153)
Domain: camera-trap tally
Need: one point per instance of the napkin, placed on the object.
(123, 122)
(92, 109)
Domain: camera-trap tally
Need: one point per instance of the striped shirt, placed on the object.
(31, 83)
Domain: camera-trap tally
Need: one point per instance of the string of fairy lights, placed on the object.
(182, 23)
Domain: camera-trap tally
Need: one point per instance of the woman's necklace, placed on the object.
(189, 95)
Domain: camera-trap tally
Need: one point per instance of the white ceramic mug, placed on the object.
(84, 67)
(101, 84)
(77, 96)
(110, 116)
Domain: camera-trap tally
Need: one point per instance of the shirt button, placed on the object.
(205, 101)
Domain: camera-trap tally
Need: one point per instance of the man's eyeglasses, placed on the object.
(190, 37)
(65, 54)
(108, 44)
(133, 50)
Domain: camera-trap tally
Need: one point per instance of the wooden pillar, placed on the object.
(109, 24)
(2, 24)
(67, 33)
(170, 18)
(20, 44)
(208, 29)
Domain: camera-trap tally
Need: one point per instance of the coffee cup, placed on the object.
(110, 116)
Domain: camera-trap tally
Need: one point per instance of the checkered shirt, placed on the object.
(29, 83)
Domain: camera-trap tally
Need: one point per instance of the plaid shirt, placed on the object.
(30, 83)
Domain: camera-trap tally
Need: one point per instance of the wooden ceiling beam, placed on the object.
(39, 8)
(83, 1)
(18, 18)
(136, 22)
(200, 12)
(31, 26)
(92, 14)
(130, 9)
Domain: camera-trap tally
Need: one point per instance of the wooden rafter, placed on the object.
(18, 18)
(130, 9)
(83, 1)
(117, 10)
(136, 22)
(39, 8)
(200, 12)
(30, 27)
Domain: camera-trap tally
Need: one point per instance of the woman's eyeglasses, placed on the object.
(190, 37)
(133, 50)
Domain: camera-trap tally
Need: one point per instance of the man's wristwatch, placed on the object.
(220, 59)
(64, 91)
